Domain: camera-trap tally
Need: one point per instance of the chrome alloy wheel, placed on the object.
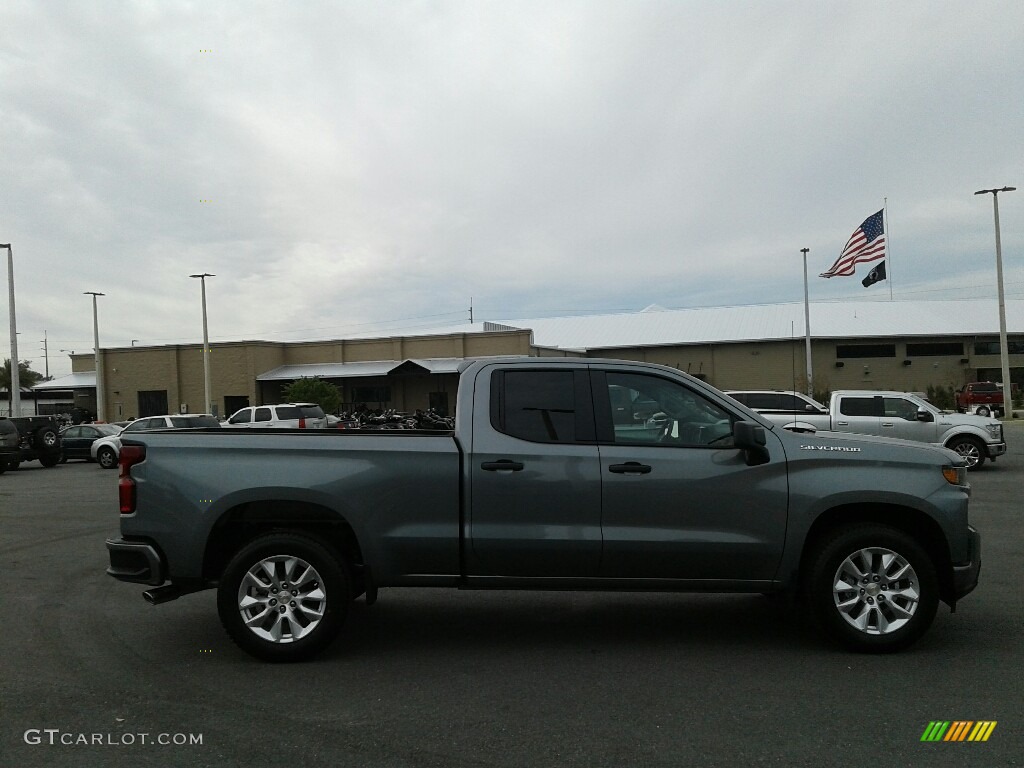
(876, 590)
(282, 599)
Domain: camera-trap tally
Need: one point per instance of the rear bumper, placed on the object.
(135, 561)
(965, 575)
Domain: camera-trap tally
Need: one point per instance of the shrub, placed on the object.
(318, 391)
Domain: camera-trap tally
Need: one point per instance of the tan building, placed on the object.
(907, 346)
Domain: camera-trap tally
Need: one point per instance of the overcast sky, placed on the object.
(348, 166)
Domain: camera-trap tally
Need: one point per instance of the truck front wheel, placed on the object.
(284, 597)
(872, 588)
(972, 449)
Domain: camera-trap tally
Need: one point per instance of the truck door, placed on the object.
(678, 501)
(899, 419)
(858, 413)
(534, 496)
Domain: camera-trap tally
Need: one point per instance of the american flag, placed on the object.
(866, 244)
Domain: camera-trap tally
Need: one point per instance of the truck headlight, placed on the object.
(996, 431)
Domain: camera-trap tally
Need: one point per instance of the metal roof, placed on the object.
(372, 368)
(829, 320)
(86, 379)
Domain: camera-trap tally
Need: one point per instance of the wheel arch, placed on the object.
(245, 522)
(913, 522)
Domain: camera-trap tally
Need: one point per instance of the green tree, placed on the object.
(26, 375)
(318, 391)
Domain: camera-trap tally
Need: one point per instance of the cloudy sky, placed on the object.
(343, 167)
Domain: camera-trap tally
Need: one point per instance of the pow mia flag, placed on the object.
(876, 275)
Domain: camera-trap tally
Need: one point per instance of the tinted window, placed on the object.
(312, 411)
(768, 401)
(537, 405)
(287, 412)
(182, 422)
(73, 431)
(858, 406)
(263, 414)
(933, 349)
(678, 416)
(242, 417)
(106, 429)
(865, 350)
(899, 408)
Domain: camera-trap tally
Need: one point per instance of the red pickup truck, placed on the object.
(980, 397)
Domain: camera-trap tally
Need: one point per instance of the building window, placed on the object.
(992, 347)
(865, 350)
(366, 395)
(936, 349)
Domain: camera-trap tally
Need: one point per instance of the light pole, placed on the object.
(15, 401)
(807, 329)
(1004, 351)
(100, 394)
(208, 408)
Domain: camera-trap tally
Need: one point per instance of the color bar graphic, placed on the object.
(958, 730)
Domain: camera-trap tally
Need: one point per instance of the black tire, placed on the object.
(892, 608)
(45, 439)
(50, 460)
(971, 448)
(983, 410)
(107, 457)
(328, 587)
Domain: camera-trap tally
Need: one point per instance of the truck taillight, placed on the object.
(302, 422)
(130, 456)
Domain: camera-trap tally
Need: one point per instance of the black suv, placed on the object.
(38, 438)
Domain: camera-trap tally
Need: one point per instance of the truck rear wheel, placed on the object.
(872, 588)
(284, 597)
(971, 448)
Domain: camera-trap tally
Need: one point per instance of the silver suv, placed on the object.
(283, 416)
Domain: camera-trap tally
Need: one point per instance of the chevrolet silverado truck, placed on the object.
(890, 414)
(560, 474)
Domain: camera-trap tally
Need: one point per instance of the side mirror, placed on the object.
(925, 415)
(750, 438)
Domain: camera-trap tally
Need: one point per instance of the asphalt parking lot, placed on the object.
(447, 678)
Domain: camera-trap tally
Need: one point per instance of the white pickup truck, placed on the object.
(889, 414)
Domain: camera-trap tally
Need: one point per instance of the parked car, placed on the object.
(38, 439)
(106, 450)
(982, 398)
(76, 441)
(282, 416)
(9, 441)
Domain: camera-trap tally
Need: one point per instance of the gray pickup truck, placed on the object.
(905, 415)
(560, 474)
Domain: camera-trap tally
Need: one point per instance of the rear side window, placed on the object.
(288, 412)
(859, 406)
(183, 422)
(539, 406)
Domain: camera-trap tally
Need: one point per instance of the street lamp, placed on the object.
(15, 401)
(1004, 352)
(100, 394)
(208, 408)
(807, 329)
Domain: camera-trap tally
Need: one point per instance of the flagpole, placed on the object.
(888, 244)
(807, 328)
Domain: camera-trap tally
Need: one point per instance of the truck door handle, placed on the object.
(630, 468)
(505, 465)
